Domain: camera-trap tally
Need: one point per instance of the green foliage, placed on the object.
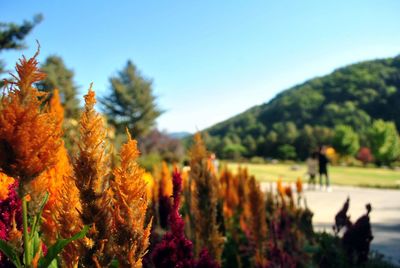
(149, 161)
(12, 35)
(305, 115)
(10, 252)
(233, 151)
(61, 78)
(60, 244)
(345, 141)
(131, 103)
(34, 243)
(287, 151)
(384, 141)
(329, 251)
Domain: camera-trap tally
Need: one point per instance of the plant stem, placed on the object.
(25, 232)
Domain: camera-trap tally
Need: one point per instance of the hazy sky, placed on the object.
(209, 60)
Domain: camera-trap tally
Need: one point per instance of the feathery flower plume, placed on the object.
(205, 201)
(60, 216)
(29, 135)
(299, 185)
(229, 192)
(280, 188)
(56, 108)
(258, 226)
(148, 178)
(131, 233)
(92, 179)
(10, 220)
(164, 195)
(175, 250)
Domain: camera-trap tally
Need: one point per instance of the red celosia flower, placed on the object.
(10, 218)
(175, 250)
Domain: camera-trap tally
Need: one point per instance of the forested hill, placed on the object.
(306, 114)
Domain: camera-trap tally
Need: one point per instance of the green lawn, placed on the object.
(357, 176)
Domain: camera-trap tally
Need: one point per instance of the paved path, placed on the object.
(385, 215)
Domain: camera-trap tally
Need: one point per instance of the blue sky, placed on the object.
(209, 60)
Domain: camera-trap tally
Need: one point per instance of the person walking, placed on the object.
(312, 169)
(323, 168)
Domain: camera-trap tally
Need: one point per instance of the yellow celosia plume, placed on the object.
(130, 208)
(166, 180)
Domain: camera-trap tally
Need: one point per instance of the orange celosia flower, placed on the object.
(279, 187)
(204, 201)
(92, 170)
(148, 178)
(299, 185)
(257, 223)
(56, 108)
(92, 165)
(229, 192)
(61, 212)
(29, 136)
(5, 182)
(166, 180)
(130, 230)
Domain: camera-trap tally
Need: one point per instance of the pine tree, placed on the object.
(61, 78)
(12, 35)
(131, 103)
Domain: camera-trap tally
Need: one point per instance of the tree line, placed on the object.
(354, 108)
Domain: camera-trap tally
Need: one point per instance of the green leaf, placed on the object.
(35, 244)
(53, 264)
(10, 252)
(114, 264)
(39, 215)
(56, 249)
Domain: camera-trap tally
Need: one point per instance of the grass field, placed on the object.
(355, 176)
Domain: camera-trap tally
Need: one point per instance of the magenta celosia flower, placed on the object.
(8, 207)
(174, 250)
(206, 261)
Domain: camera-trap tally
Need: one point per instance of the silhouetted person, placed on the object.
(323, 167)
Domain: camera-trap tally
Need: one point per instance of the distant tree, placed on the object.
(345, 140)
(287, 152)
(384, 142)
(234, 151)
(306, 142)
(365, 155)
(12, 35)
(131, 103)
(60, 77)
(156, 142)
(287, 132)
(250, 144)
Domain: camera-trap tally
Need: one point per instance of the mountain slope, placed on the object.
(353, 95)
